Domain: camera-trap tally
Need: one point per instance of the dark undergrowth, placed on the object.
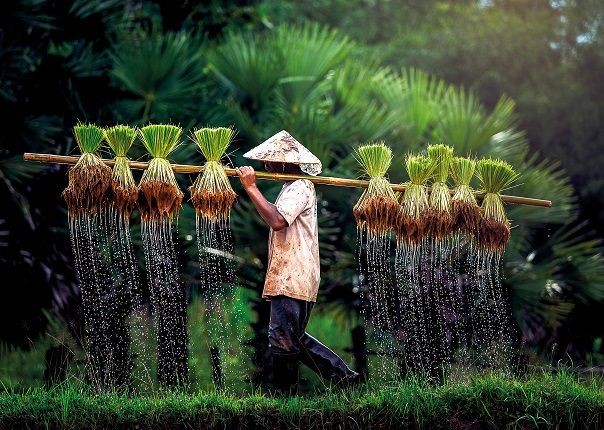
(541, 401)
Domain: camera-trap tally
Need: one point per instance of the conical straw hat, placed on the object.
(284, 148)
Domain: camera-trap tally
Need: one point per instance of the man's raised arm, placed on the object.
(266, 209)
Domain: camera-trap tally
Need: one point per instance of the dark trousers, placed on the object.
(289, 343)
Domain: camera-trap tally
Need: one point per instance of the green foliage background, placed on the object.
(335, 74)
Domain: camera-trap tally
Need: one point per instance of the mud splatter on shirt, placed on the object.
(293, 253)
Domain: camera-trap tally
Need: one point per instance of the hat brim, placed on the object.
(284, 148)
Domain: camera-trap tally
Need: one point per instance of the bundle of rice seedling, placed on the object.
(125, 191)
(377, 209)
(439, 220)
(464, 208)
(159, 202)
(411, 226)
(211, 193)
(88, 197)
(494, 227)
(213, 197)
(126, 301)
(159, 195)
(89, 183)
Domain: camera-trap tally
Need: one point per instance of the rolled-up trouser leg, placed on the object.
(324, 361)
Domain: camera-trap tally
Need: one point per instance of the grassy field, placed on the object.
(493, 401)
(541, 401)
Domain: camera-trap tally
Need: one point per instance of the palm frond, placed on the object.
(14, 171)
(548, 280)
(465, 124)
(308, 53)
(84, 9)
(246, 66)
(509, 144)
(548, 181)
(164, 74)
(420, 98)
(353, 103)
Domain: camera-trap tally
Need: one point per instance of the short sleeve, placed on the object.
(294, 199)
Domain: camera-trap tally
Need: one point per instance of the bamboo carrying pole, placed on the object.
(321, 180)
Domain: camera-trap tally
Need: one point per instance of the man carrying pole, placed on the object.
(293, 274)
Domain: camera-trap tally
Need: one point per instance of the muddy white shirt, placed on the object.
(293, 252)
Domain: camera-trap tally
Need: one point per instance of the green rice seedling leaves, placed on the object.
(419, 168)
(462, 170)
(161, 196)
(414, 201)
(374, 158)
(213, 142)
(464, 208)
(89, 179)
(88, 137)
(125, 192)
(494, 176)
(160, 139)
(212, 194)
(439, 221)
(377, 209)
(442, 155)
(120, 139)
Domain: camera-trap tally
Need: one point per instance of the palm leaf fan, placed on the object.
(159, 196)
(89, 180)
(377, 209)
(465, 211)
(494, 228)
(439, 220)
(411, 226)
(211, 193)
(125, 192)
